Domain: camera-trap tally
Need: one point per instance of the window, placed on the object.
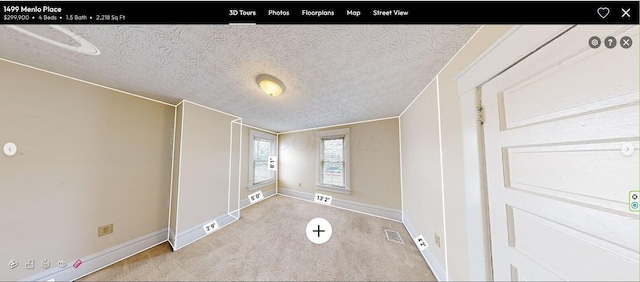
(333, 160)
(261, 147)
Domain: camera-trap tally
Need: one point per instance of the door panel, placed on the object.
(555, 125)
(591, 173)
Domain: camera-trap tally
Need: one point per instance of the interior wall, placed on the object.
(176, 173)
(87, 157)
(374, 163)
(421, 169)
(234, 192)
(204, 166)
(458, 242)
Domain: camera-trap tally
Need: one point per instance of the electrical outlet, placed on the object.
(105, 229)
(437, 239)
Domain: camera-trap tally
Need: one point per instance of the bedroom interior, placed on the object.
(187, 152)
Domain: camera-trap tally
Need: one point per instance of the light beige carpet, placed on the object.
(269, 243)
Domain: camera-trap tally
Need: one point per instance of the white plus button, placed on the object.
(319, 230)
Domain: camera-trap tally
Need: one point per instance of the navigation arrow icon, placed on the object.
(627, 149)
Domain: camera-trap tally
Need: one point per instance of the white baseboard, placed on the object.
(245, 203)
(102, 259)
(436, 267)
(197, 232)
(349, 205)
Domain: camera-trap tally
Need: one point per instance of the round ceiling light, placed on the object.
(270, 85)
(85, 46)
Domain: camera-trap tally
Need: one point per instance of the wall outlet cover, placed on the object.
(105, 229)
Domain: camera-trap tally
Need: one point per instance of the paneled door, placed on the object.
(561, 140)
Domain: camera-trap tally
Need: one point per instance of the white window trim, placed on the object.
(263, 135)
(319, 185)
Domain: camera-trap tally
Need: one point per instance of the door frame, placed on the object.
(515, 45)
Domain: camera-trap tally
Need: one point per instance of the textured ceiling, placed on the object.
(332, 73)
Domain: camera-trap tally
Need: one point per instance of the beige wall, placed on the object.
(204, 166)
(374, 156)
(458, 263)
(205, 178)
(234, 192)
(210, 125)
(421, 169)
(176, 172)
(87, 156)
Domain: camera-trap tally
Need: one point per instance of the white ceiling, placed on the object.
(333, 74)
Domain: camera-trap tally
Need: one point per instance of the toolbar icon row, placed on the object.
(604, 12)
(610, 42)
(30, 264)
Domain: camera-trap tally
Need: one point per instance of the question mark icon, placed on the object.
(610, 42)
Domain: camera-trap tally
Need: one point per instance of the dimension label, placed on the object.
(255, 197)
(421, 242)
(209, 227)
(323, 199)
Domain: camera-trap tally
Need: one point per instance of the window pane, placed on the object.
(333, 174)
(332, 150)
(261, 171)
(262, 150)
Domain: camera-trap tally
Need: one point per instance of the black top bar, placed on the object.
(386, 12)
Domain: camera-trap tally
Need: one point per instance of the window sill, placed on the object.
(333, 189)
(260, 185)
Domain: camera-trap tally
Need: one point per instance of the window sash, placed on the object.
(256, 149)
(260, 172)
(331, 181)
(260, 159)
(332, 160)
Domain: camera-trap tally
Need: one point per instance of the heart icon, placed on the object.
(603, 12)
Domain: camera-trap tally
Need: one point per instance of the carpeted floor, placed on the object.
(269, 243)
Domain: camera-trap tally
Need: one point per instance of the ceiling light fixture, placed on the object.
(85, 46)
(270, 85)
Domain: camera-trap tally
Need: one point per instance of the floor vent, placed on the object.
(393, 236)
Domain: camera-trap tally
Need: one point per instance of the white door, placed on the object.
(559, 128)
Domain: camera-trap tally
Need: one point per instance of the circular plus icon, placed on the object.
(626, 42)
(319, 230)
(610, 42)
(594, 42)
